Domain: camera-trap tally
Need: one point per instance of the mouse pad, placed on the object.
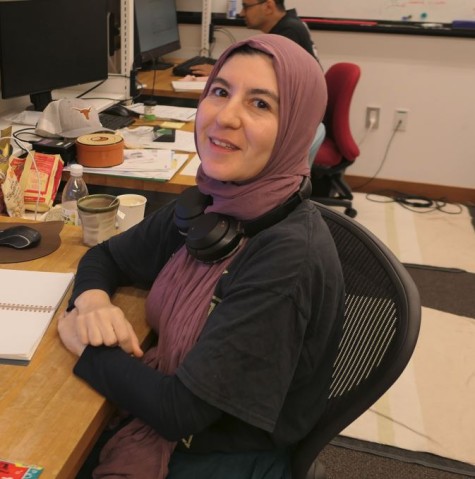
(50, 241)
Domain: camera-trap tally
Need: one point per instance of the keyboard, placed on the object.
(115, 122)
(183, 69)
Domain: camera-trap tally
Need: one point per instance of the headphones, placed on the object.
(214, 236)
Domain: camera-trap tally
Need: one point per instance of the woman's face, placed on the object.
(237, 121)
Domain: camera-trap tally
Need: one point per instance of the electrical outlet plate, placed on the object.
(372, 112)
(400, 119)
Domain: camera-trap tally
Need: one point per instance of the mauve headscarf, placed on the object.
(180, 298)
(303, 98)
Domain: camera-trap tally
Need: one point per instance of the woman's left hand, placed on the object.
(69, 334)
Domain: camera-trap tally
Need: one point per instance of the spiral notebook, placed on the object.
(28, 302)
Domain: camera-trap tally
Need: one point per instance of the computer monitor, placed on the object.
(156, 33)
(51, 44)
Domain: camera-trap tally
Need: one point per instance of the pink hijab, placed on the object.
(179, 301)
(303, 99)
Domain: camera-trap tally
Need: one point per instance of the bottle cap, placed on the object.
(76, 170)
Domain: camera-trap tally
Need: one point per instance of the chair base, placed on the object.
(330, 188)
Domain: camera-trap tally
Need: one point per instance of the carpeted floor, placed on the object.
(428, 415)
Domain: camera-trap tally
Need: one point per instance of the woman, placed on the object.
(246, 334)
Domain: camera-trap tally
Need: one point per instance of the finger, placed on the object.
(81, 328)
(103, 331)
(136, 349)
(128, 341)
(197, 70)
(68, 333)
(96, 329)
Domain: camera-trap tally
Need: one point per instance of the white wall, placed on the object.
(432, 77)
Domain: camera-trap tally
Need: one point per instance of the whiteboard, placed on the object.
(395, 10)
(444, 11)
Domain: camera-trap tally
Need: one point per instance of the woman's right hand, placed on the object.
(203, 70)
(99, 322)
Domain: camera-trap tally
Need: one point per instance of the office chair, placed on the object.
(317, 142)
(339, 149)
(382, 321)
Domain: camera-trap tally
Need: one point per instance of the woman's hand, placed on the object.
(96, 321)
(201, 70)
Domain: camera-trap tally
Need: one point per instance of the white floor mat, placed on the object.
(430, 238)
(430, 408)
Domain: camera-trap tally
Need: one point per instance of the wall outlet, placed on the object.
(400, 119)
(372, 116)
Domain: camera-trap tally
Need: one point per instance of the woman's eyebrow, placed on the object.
(252, 91)
(222, 81)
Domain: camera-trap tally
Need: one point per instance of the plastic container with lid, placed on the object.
(100, 150)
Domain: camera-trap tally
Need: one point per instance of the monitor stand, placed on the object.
(40, 100)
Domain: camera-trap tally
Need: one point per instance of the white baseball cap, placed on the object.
(69, 118)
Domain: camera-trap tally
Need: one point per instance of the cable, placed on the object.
(154, 76)
(30, 131)
(372, 123)
(385, 157)
(227, 33)
(92, 88)
(415, 203)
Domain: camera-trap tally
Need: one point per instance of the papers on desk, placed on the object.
(143, 137)
(165, 112)
(190, 83)
(25, 117)
(191, 167)
(158, 165)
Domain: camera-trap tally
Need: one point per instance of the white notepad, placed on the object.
(28, 301)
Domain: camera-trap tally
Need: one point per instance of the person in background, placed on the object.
(246, 336)
(270, 16)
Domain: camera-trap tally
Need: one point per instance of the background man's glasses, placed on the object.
(246, 6)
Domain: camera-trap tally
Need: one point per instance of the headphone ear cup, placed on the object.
(189, 206)
(213, 236)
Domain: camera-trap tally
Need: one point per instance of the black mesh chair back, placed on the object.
(382, 320)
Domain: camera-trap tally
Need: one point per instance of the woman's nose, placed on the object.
(230, 114)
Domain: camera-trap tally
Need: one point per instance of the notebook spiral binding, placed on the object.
(26, 307)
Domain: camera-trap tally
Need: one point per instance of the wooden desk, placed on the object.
(176, 185)
(48, 416)
(162, 85)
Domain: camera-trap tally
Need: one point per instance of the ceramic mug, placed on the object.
(98, 217)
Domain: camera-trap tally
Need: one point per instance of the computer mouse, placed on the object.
(119, 110)
(19, 237)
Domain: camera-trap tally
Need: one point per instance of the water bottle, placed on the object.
(74, 189)
(231, 10)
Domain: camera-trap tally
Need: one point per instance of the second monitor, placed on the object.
(156, 33)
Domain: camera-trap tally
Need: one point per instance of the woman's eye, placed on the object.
(261, 104)
(218, 91)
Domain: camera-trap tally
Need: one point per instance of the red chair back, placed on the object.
(339, 143)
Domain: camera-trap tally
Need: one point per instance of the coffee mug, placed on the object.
(131, 210)
(98, 217)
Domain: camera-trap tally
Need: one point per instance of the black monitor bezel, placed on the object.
(29, 72)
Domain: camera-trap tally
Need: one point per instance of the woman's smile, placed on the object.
(223, 144)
